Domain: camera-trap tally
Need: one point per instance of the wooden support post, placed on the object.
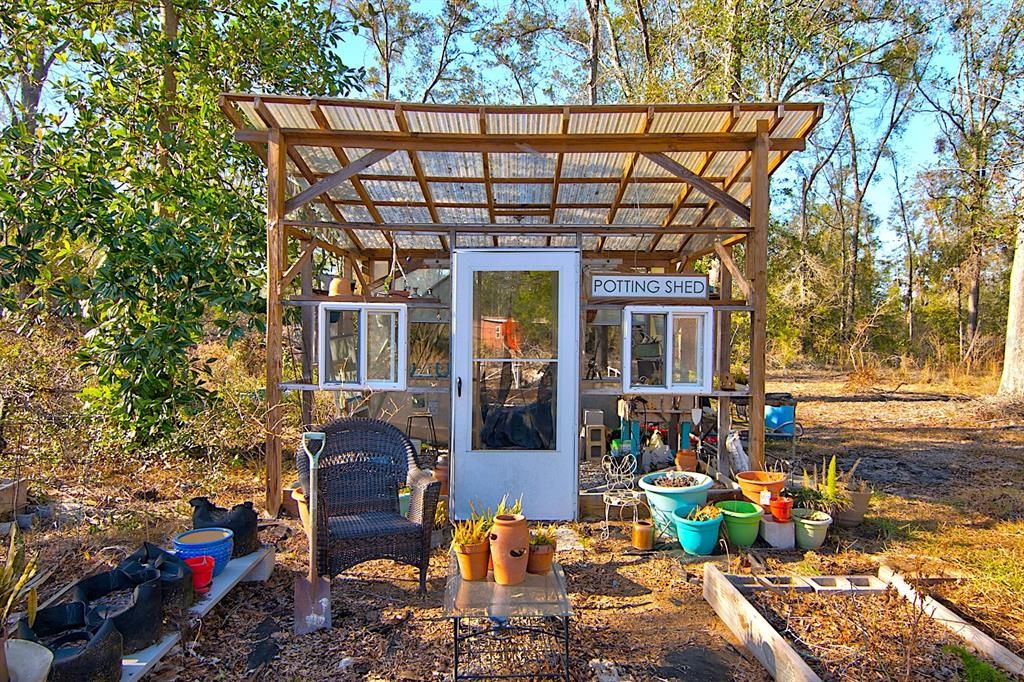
(757, 275)
(276, 165)
(724, 362)
(308, 333)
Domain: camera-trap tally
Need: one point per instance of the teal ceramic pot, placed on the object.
(665, 500)
(742, 521)
(811, 528)
(697, 537)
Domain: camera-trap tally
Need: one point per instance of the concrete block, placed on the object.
(778, 535)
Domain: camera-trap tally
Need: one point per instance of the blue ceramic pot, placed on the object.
(697, 537)
(214, 542)
(664, 500)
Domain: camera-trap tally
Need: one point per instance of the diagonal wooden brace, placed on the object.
(720, 195)
(333, 180)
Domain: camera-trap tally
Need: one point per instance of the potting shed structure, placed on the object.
(550, 246)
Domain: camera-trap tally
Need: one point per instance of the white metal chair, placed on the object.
(620, 491)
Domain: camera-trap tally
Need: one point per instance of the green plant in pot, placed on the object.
(471, 547)
(543, 545)
(858, 493)
(17, 584)
(811, 527)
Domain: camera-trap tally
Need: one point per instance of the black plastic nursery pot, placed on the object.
(176, 591)
(241, 519)
(138, 619)
(81, 652)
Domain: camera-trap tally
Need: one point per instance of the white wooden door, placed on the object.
(515, 381)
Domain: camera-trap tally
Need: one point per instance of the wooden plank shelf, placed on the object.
(252, 567)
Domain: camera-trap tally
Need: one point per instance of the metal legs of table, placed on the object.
(506, 631)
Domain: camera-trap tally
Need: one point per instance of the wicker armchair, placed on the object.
(362, 466)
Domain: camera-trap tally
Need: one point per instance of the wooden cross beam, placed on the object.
(737, 275)
(720, 195)
(335, 179)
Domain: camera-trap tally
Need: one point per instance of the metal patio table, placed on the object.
(508, 632)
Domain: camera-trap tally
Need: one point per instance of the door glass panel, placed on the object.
(647, 349)
(515, 315)
(686, 350)
(381, 346)
(514, 405)
(342, 347)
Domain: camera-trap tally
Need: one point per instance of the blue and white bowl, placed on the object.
(215, 542)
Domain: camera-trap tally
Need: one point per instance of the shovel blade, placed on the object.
(312, 604)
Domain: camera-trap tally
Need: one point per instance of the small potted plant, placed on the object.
(781, 508)
(859, 495)
(543, 545)
(698, 530)
(471, 547)
(811, 527)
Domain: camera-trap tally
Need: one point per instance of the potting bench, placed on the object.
(499, 629)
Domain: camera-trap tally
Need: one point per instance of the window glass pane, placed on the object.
(686, 349)
(382, 346)
(429, 350)
(515, 315)
(647, 349)
(342, 348)
(602, 354)
(514, 405)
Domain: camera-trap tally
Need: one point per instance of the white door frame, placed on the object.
(548, 479)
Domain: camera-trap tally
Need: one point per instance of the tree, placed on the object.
(1012, 382)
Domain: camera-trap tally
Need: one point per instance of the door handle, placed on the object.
(458, 387)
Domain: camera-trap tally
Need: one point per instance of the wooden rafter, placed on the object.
(627, 173)
(694, 180)
(530, 180)
(417, 168)
(305, 256)
(323, 186)
(486, 162)
(478, 228)
(737, 275)
(557, 180)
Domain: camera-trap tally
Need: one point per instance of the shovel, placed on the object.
(313, 591)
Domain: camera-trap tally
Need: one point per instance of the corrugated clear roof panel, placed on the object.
(522, 219)
(416, 240)
(250, 113)
(640, 216)
(344, 191)
(721, 217)
(359, 118)
(521, 241)
(697, 197)
(563, 241)
(319, 159)
(522, 193)
(405, 214)
(580, 216)
(792, 123)
(396, 163)
(695, 122)
(595, 165)
(688, 216)
(449, 122)
(740, 190)
(525, 123)
(670, 242)
(701, 242)
(522, 165)
(651, 192)
(452, 164)
(645, 168)
(725, 163)
(372, 239)
(389, 190)
(748, 120)
(472, 241)
(605, 122)
(463, 215)
(587, 193)
(589, 242)
(291, 115)
(458, 192)
(631, 242)
(356, 213)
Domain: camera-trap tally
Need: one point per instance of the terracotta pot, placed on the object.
(473, 560)
(854, 514)
(510, 548)
(441, 473)
(299, 495)
(686, 460)
(753, 482)
(643, 535)
(541, 558)
(781, 507)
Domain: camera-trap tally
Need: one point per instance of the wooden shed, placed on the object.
(550, 230)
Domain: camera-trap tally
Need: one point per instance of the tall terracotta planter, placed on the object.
(510, 548)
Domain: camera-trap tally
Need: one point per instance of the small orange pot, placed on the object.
(473, 560)
(781, 507)
(510, 548)
(753, 482)
(541, 558)
(686, 460)
(643, 535)
(299, 495)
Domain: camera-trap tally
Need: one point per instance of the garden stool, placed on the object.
(594, 439)
(620, 491)
(429, 417)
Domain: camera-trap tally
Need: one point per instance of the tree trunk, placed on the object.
(593, 15)
(1012, 382)
(974, 295)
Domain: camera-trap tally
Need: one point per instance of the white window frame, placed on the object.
(703, 313)
(401, 345)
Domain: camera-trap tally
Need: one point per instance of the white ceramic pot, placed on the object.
(28, 661)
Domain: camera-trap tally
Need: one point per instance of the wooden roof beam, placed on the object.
(627, 173)
(694, 180)
(557, 181)
(417, 168)
(525, 229)
(485, 160)
(323, 186)
(528, 180)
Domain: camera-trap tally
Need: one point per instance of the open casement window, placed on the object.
(363, 346)
(667, 349)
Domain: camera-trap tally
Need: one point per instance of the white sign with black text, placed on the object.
(649, 286)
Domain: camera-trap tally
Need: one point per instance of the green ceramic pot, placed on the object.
(811, 528)
(742, 521)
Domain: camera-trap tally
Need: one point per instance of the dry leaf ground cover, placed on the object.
(948, 470)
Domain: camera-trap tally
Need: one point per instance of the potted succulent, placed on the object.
(698, 530)
(543, 545)
(471, 547)
(811, 527)
(824, 492)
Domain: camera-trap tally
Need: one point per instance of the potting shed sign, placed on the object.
(649, 286)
